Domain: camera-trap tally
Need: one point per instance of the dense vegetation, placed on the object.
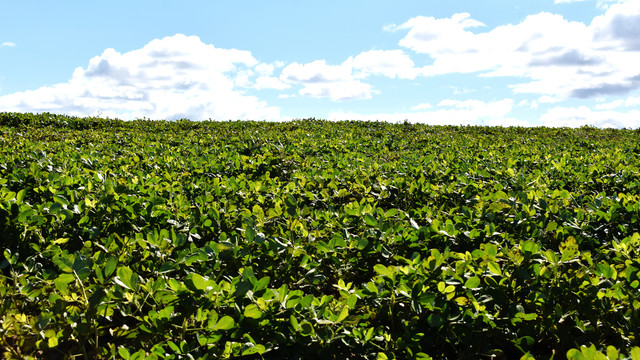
(315, 239)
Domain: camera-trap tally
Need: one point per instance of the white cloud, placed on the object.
(436, 36)
(459, 91)
(321, 80)
(344, 81)
(169, 78)
(581, 116)
(265, 69)
(632, 101)
(533, 104)
(610, 105)
(338, 90)
(389, 63)
(315, 72)
(423, 106)
(447, 112)
(270, 82)
(555, 56)
(546, 99)
(8, 44)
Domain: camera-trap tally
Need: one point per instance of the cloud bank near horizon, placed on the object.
(545, 57)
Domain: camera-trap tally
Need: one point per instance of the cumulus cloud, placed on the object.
(555, 56)
(345, 81)
(169, 78)
(632, 101)
(580, 116)
(339, 91)
(545, 99)
(436, 36)
(8, 44)
(389, 63)
(610, 105)
(618, 28)
(315, 72)
(447, 112)
(423, 106)
(321, 80)
(270, 82)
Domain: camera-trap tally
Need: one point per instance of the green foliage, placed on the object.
(315, 239)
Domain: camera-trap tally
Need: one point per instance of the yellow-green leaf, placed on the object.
(494, 268)
(344, 312)
(472, 283)
(252, 311)
(225, 323)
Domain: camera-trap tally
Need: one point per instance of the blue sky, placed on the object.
(526, 62)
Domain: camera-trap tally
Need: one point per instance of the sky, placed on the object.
(465, 62)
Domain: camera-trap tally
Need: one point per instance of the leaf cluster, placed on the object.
(316, 239)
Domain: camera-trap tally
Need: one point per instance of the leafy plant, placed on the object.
(315, 239)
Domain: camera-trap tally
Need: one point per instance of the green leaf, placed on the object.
(306, 328)
(391, 213)
(61, 241)
(110, 266)
(124, 353)
(64, 262)
(200, 282)
(351, 301)
(635, 353)
(174, 347)
(575, 354)
(252, 311)
(494, 268)
(250, 233)
(25, 215)
(225, 323)
(529, 247)
(291, 201)
(62, 282)
(20, 196)
(551, 226)
(382, 270)
(344, 312)
(371, 287)
(605, 270)
(501, 195)
(294, 323)
(256, 349)
(139, 355)
(52, 342)
(124, 277)
(612, 352)
(362, 243)
(472, 283)
(527, 317)
(370, 220)
(258, 212)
